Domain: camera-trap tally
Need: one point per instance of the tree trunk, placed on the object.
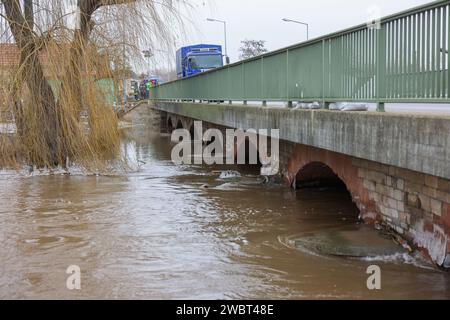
(44, 106)
(79, 44)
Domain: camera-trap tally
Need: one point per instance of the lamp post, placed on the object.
(299, 22)
(148, 54)
(227, 58)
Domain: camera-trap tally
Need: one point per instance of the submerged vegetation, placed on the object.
(62, 63)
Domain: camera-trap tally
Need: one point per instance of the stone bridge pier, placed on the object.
(396, 167)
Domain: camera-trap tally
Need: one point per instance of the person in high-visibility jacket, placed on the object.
(148, 86)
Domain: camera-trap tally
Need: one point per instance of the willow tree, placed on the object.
(64, 48)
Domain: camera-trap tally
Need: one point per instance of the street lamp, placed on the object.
(299, 22)
(225, 33)
(148, 54)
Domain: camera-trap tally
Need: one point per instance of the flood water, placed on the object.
(182, 232)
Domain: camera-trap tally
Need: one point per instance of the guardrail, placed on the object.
(403, 58)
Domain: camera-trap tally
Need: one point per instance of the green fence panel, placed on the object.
(275, 79)
(253, 80)
(217, 84)
(305, 72)
(236, 82)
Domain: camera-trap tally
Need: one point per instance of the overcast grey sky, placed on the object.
(261, 19)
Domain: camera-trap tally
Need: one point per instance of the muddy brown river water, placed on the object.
(182, 232)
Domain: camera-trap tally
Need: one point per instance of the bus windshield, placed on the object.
(205, 62)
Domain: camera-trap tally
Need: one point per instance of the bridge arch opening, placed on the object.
(317, 176)
(249, 150)
(192, 131)
(170, 125)
(179, 124)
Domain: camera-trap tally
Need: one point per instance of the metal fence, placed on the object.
(403, 58)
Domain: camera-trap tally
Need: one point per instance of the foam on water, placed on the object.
(412, 259)
(75, 170)
(229, 174)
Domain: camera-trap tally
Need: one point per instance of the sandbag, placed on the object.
(337, 106)
(356, 107)
(308, 106)
(348, 106)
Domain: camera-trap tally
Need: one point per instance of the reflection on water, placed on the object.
(168, 232)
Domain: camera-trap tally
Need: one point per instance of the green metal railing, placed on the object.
(404, 60)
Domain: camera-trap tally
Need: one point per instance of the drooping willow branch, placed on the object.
(55, 90)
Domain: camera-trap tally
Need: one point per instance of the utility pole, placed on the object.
(148, 54)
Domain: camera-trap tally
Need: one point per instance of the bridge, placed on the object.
(396, 166)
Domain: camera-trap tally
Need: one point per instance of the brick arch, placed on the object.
(242, 144)
(170, 124)
(179, 123)
(342, 166)
(173, 120)
(190, 127)
(317, 173)
(188, 123)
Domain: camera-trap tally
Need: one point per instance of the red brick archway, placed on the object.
(341, 165)
(317, 174)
